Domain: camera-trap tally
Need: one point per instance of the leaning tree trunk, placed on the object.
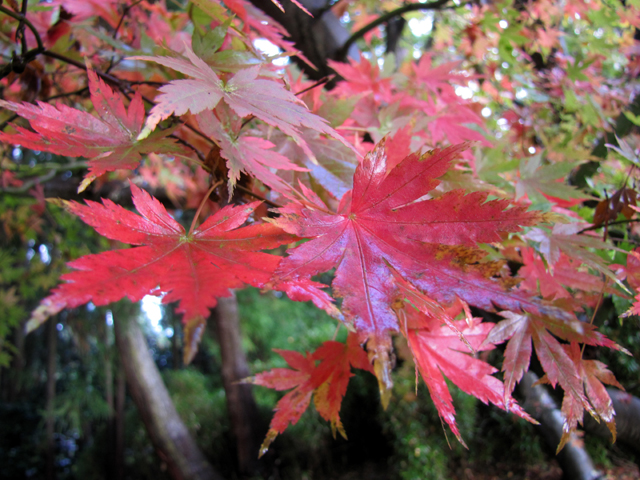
(169, 435)
(573, 459)
(627, 409)
(243, 412)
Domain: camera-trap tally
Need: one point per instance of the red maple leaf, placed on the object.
(244, 93)
(593, 374)
(439, 350)
(387, 222)
(326, 380)
(194, 268)
(109, 141)
(436, 79)
(523, 329)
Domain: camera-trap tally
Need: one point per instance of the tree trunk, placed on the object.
(170, 437)
(52, 345)
(241, 405)
(119, 423)
(627, 409)
(573, 459)
(12, 376)
(108, 388)
(176, 356)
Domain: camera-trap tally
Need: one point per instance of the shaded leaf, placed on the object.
(244, 93)
(109, 141)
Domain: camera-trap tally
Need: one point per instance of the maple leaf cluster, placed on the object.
(416, 226)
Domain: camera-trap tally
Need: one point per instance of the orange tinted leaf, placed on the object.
(324, 374)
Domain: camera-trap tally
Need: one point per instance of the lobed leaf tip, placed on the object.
(193, 331)
(268, 440)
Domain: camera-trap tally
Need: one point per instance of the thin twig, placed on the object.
(147, 82)
(20, 29)
(198, 132)
(120, 84)
(82, 66)
(342, 53)
(259, 197)
(80, 91)
(29, 184)
(188, 145)
(123, 86)
(8, 121)
(617, 222)
(23, 18)
(595, 310)
(125, 12)
(322, 81)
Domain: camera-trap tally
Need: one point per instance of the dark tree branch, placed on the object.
(322, 81)
(20, 29)
(23, 19)
(385, 18)
(105, 76)
(123, 86)
(8, 121)
(573, 459)
(125, 12)
(255, 195)
(318, 38)
(627, 409)
(608, 224)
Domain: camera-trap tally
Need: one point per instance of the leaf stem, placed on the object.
(204, 200)
(595, 310)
